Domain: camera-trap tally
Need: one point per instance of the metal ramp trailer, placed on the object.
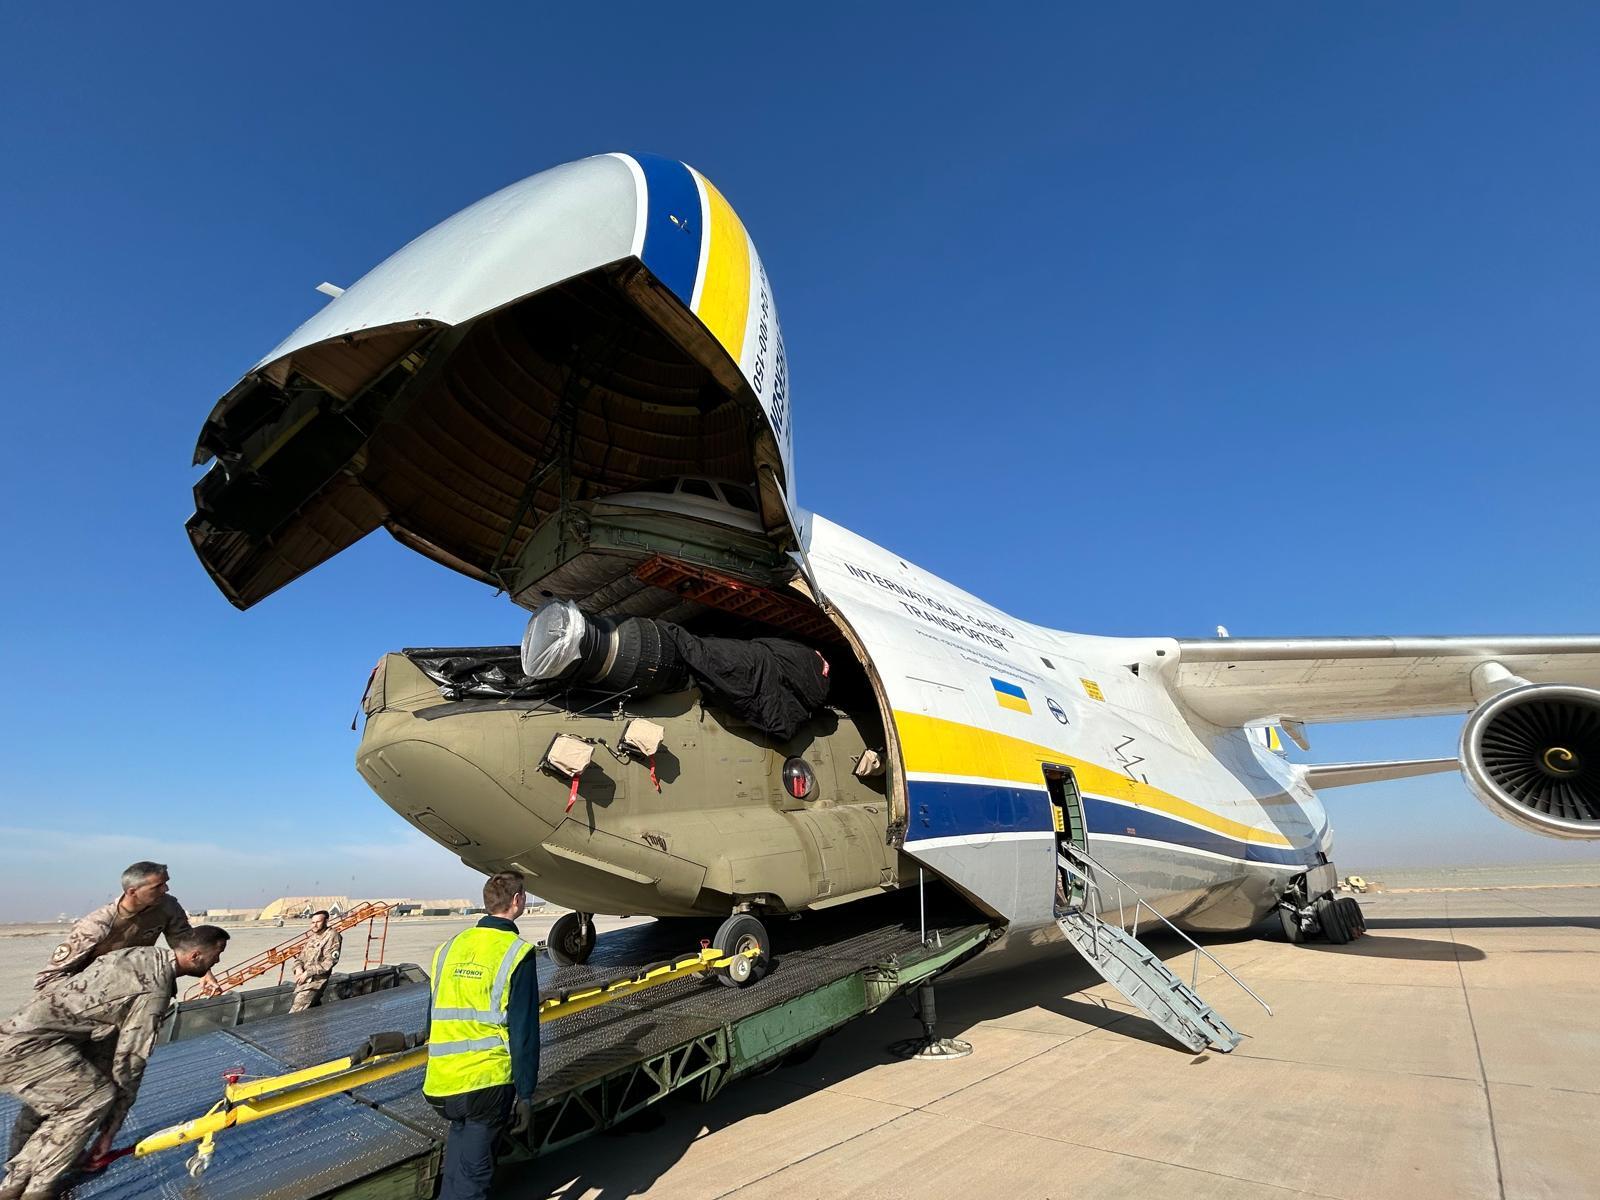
(598, 1067)
(190, 1018)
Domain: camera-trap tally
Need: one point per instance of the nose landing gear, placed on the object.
(739, 933)
(571, 939)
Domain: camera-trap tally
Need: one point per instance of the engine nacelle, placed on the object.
(1532, 756)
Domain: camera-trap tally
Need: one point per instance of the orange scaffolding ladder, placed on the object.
(370, 911)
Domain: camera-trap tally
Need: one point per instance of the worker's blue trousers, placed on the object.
(476, 1119)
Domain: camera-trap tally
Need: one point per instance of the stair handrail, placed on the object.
(1140, 902)
(280, 954)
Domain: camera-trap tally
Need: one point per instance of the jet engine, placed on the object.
(1532, 756)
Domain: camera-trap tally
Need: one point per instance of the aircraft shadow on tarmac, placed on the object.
(1379, 944)
(1530, 921)
(659, 1138)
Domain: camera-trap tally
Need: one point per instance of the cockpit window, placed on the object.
(739, 497)
(665, 486)
(697, 487)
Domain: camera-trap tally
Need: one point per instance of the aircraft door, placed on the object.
(1066, 818)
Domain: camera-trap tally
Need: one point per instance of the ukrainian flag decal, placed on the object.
(1009, 695)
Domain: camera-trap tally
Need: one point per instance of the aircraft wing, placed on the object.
(1323, 776)
(1236, 681)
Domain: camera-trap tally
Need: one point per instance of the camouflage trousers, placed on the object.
(65, 1092)
(308, 993)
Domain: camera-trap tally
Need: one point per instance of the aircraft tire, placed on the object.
(571, 940)
(1332, 919)
(1354, 917)
(740, 932)
(1292, 932)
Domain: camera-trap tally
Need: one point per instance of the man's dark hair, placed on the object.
(321, 912)
(501, 889)
(201, 937)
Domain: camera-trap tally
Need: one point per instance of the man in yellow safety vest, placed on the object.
(483, 1037)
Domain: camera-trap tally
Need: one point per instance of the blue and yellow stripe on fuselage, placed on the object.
(695, 244)
(967, 782)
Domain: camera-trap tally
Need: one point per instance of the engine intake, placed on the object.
(1532, 756)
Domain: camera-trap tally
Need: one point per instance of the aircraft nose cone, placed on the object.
(466, 804)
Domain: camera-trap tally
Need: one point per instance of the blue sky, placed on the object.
(1281, 317)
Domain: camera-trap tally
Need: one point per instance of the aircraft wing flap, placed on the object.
(1236, 681)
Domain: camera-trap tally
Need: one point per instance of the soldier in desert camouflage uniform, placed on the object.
(143, 912)
(76, 1053)
(315, 962)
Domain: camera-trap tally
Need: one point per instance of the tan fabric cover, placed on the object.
(643, 737)
(568, 755)
(869, 764)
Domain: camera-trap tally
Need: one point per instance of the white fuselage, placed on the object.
(1206, 823)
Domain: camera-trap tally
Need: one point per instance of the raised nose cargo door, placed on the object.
(547, 392)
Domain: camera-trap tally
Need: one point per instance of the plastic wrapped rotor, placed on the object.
(553, 640)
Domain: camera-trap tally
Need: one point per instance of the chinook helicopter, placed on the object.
(724, 706)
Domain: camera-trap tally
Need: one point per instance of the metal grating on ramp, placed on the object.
(302, 1154)
(597, 1066)
(332, 1030)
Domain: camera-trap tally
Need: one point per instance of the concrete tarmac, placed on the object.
(1452, 1052)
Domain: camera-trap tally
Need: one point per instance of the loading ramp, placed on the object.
(598, 1067)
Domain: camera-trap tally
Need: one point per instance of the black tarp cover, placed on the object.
(773, 683)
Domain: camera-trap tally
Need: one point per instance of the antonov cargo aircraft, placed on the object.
(575, 391)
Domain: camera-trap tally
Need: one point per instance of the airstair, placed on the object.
(1130, 967)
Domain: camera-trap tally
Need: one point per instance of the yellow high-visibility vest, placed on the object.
(469, 1039)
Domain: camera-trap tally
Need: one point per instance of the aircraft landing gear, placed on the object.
(1294, 923)
(739, 933)
(1309, 907)
(571, 939)
(1341, 919)
(1338, 919)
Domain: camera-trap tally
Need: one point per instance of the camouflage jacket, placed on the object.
(320, 954)
(108, 928)
(117, 1001)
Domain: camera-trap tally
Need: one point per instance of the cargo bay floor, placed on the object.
(1449, 1053)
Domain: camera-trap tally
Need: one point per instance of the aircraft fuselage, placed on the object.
(977, 713)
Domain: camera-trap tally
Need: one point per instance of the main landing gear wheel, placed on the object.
(1354, 917)
(739, 933)
(571, 939)
(1335, 921)
(1292, 932)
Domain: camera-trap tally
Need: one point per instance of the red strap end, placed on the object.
(100, 1162)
